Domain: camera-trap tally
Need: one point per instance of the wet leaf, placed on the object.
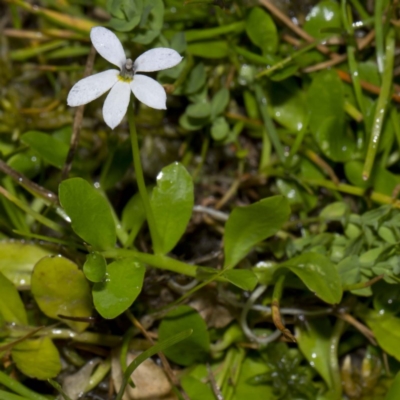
(50, 149)
(89, 211)
(313, 339)
(193, 349)
(288, 105)
(172, 203)
(123, 283)
(323, 17)
(37, 358)
(60, 288)
(17, 260)
(319, 274)
(386, 328)
(252, 224)
(11, 307)
(243, 278)
(261, 30)
(95, 267)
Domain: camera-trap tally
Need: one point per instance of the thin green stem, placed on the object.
(281, 64)
(334, 360)
(39, 217)
(19, 388)
(140, 181)
(379, 39)
(360, 9)
(381, 106)
(269, 125)
(156, 260)
(351, 49)
(99, 374)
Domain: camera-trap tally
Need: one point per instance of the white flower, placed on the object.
(146, 89)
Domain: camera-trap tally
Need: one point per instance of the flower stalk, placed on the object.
(155, 238)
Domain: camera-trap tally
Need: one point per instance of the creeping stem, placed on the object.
(140, 181)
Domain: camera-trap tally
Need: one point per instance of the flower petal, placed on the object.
(92, 87)
(149, 92)
(157, 59)
(116, 104)
(108, 45)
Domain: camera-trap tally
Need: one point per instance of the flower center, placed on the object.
(127, 71)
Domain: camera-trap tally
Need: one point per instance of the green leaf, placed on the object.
(51, 150)
(60, 288)
(386, 328)
(193, 349)
(324, 16)
(90, 213)
(349, 270)
(219, 129)
(243, 278)
(172, 204)
(199, 110)
(325, 100)
(261, 30)
(249, 225)
(209, 49)
(393, 393)
(219, 102)
(313, 339)
(17, 260)
(319, 274)
(37, 358)
(12, 309)
(124, 280)
(288, 105)
(95, 267)
(252, 367)
(196, 79)
(196, 389)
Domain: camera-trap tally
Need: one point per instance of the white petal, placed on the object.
(92, 87)
(157, 59)
(149, 92)
(116, 104)
(108, 45)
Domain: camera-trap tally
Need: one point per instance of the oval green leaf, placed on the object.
(319, 274)
(242, 278)
(11, 307)
(50, 149)
(261, 30)
(90, 213)
(17, 260)
(249, 225)
(37, 358)
(95, 267)
(172, 204)
(123, 283)
(193, 349)
(60, 288)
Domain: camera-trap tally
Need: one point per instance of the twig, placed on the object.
(217, 392)
(359, 326)
(299, 31)
(28, 184)
(77, 120)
